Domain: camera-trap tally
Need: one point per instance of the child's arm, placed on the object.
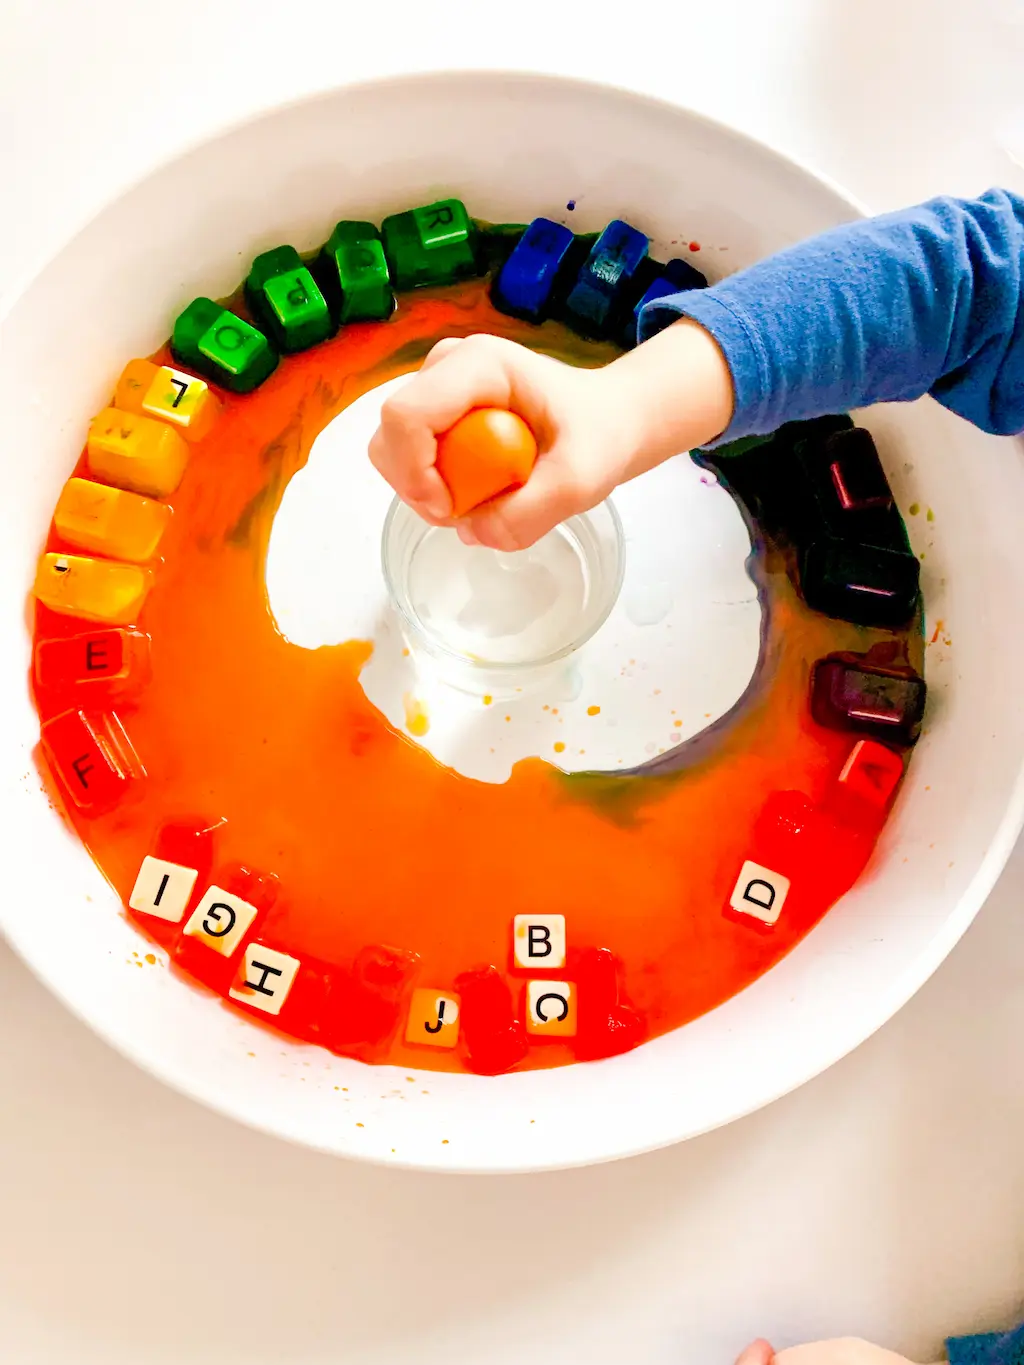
(925, 300)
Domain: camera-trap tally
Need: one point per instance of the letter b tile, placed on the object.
(538, 941)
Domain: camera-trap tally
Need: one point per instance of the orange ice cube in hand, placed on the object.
(488, 452)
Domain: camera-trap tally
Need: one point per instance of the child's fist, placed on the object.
(583, 438)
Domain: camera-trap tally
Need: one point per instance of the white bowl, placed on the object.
(511, 146)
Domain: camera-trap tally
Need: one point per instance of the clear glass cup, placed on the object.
(495, 624)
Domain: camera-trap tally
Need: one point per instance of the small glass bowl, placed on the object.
(495, 624)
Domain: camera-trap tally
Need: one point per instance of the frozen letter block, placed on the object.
(135, 452)
(495, 1038)
(286, 301)
(551, 1009)
(432, 245)
(353, 273)
(865, 584)
(171, 395)
(799, 858)
(95, 589)
(222, 347)
(433, 1019)
(656, 281)
(116, 658)
(93, 516)
(857, 474)
(538, 941)
(594, 302)
(93, 758)
(606, 1026)
(759, 892)
(847, 693)
(163, 889)
(265, 978)
(526, 286)
(363, 1008)
(871, 773)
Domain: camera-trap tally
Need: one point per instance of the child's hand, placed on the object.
(842, 1351)
(595, 428)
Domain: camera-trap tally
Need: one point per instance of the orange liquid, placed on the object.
(372, 840)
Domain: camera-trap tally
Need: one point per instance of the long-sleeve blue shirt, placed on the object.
(926, 300)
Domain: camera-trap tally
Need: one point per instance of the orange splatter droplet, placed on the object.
(593, 710)
(695, 246)
(559, 747)
(417, 722)
(488, 700)
(151, 959)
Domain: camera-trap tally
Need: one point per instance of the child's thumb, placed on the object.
(759, 1352)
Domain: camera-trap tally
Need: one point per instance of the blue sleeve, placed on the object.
(926, 300)
(988, 1348)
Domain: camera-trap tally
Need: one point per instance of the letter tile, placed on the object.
(221, 920)
(759, 892)
(653, 281)
(286, 301)
(433, 1018)
(848, 693)
(352, 271)
(435, 244)
(163, 889)
(183, 400)
(92, 757)
(115, 660)
(600, 292)
(138, 453)
(538, 941)
(265, 978)
(866, 584)
(529, 280)
(93, 516)
(94, 589)
(551, 1009)
(222, 346)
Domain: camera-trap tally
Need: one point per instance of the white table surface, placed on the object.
(886, 1198)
